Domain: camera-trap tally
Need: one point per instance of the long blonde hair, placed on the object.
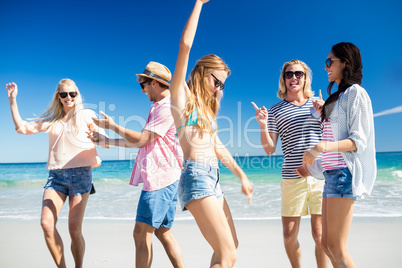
(55, 111)
(201, 99)
(282, 93)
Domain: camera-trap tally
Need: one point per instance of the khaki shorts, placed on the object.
(300, 195)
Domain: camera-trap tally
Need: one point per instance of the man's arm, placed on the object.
(268, 139)
(104, 141)
(134, 139)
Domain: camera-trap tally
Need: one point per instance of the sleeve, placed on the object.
(160, 121)
(33, 127)
(360, 118)
(272, 122)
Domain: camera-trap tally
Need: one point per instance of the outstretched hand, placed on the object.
(318, 104)
(261, 114)
(12, 90)
(103, 123)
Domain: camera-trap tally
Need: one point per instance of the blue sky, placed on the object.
(101, 45)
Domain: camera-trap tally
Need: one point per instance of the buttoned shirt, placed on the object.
(352, 118)
(159, 163)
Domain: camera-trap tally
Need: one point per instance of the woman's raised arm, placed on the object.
(178, 82)
(12, 91)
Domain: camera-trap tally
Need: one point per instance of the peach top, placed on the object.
(66, 148)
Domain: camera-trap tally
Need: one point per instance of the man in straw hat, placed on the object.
(158, 166)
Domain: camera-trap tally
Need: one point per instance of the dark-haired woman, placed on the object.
(347, 147)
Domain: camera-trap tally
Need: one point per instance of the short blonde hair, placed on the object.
(282, 91)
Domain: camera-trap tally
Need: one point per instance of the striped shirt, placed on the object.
(330, 160)
(299, 128)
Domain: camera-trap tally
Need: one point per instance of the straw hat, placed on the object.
(158, 72)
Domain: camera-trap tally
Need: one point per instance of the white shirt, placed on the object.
(352, 118)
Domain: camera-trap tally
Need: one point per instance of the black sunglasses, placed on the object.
(142, 84)
(63, 95)
(289, 74)
(329, 61)
(218, 83)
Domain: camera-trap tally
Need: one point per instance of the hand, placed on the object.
(317, 104)
(91, 127)
(311, 155)
(247, 189)
(261, 114)
(204, 1)
(98, 139)
(103, 123)
(302, 171)
(12, 91)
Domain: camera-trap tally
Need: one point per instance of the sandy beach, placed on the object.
(373, 242)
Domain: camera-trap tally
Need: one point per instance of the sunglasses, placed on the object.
(289, 74)
(218, 83)
(329, 61)
(142, 84)
(63, 95)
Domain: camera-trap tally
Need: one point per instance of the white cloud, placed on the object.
(390, 111)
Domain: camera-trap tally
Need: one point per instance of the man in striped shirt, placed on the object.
(297, 124)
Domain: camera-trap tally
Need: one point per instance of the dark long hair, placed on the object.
(352, 74)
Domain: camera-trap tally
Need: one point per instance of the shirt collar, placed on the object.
(163, 101)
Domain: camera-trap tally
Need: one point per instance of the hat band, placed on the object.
(151, 74)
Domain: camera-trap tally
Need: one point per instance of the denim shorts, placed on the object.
(198, 180)
(338, 183)
(71, 181)
(157, 208)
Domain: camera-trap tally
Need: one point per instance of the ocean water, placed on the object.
(21, 189)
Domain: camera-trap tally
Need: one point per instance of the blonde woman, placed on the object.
(71, 159)
(194, 107)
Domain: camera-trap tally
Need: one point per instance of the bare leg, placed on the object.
(143, 244)
(229, 219)
(76, 215)
(171, 246)
(339, 219)
(51, 205)
(214, 226)
(316, 228)
(290, 232)
(324, 239)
